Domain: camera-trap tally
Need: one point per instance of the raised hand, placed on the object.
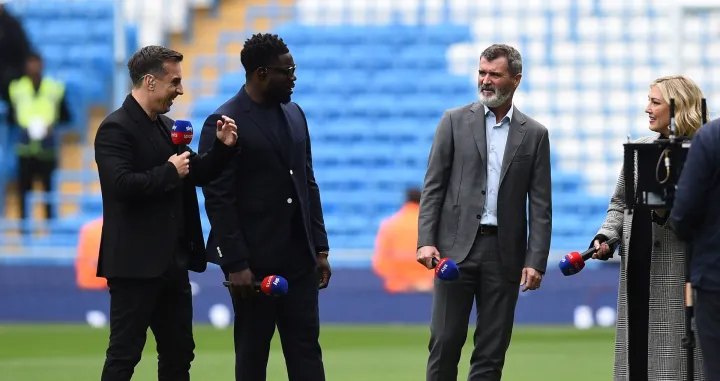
(227, 131)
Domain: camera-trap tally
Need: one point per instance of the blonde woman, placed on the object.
(650, 321)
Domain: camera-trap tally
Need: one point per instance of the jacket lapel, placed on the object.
(476, 121)
(291, 135)
(138, 115)
(516, 134)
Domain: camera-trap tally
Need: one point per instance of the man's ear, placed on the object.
(517, 79)
(150, 82)
(262, 73)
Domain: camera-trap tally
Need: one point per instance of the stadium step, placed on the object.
(204, 41)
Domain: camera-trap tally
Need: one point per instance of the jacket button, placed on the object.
(291, 172)
(289, 201)
(479, 216)
(657, 243)
(483, 191)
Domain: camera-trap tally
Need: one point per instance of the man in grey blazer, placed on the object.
(487, 160)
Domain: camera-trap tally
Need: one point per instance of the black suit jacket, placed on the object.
(695, 216)
(250, 201)
(139, 186)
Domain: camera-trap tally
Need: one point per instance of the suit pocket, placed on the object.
(448, 229)
(521, 158)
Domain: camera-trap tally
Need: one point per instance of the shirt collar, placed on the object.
(509, 115)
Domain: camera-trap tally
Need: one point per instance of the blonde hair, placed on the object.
(688, 102)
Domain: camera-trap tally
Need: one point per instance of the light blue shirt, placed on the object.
(496, 137)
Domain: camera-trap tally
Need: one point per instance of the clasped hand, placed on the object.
(181, 163)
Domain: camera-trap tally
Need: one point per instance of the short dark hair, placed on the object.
(151, 60)
(260, 50)
(501, 50)
(34, 56)
(413, 195)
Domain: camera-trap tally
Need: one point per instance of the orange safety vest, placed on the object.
(394, 260)
(86, 261)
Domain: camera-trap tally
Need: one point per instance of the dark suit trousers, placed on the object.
(707, 316)
(297, 317)
(482, 278)
(164, 305)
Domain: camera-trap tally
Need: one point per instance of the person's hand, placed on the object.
(602, 250)
(242, 283)
(181, 163)
(324, 271)
(227, 131)
(530, 278)
(425, 255)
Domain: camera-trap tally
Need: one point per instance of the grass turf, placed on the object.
(351, 353)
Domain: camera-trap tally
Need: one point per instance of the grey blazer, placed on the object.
(456, 179)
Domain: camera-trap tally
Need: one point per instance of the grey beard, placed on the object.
(495, 100)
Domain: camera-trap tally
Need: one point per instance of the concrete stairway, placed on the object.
(206, 31)
(204, 42)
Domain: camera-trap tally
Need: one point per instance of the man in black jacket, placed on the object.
(151, 232)
(267, 219)
(695, 218)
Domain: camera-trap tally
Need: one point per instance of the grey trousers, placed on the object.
(482, 278)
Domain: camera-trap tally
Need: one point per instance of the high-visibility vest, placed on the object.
(88, 251)
(29, 105)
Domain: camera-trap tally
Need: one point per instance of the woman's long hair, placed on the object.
(688, 102)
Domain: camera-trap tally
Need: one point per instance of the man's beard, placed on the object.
(280, 96)
(498, 98)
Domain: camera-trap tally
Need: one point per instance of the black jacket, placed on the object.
(695, 216)
(253, 199)
(140, 191)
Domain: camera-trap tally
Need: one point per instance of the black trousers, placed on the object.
(483, 279)
(297, 319)
(707, 316)
(164, 305)
(30, 168)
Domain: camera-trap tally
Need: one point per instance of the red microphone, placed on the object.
(182, 134)
(572, 263)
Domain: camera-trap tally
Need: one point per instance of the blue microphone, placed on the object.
(445, 269)
(182, 134)
(273, 285)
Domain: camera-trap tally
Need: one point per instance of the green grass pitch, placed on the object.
(351, 353)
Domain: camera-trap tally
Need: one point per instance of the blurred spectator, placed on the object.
(37, 105)
(395, 247)
(14, 47)
(88, 251)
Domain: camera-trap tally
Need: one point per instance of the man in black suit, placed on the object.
(151, 232)
(267, 219)
(695, 218)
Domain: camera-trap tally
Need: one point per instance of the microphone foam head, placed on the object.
(571, 264)
(446, 269)
(274, 285)
(182, 132)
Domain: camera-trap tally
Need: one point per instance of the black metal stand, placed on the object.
(655, 186)
(688, 341)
